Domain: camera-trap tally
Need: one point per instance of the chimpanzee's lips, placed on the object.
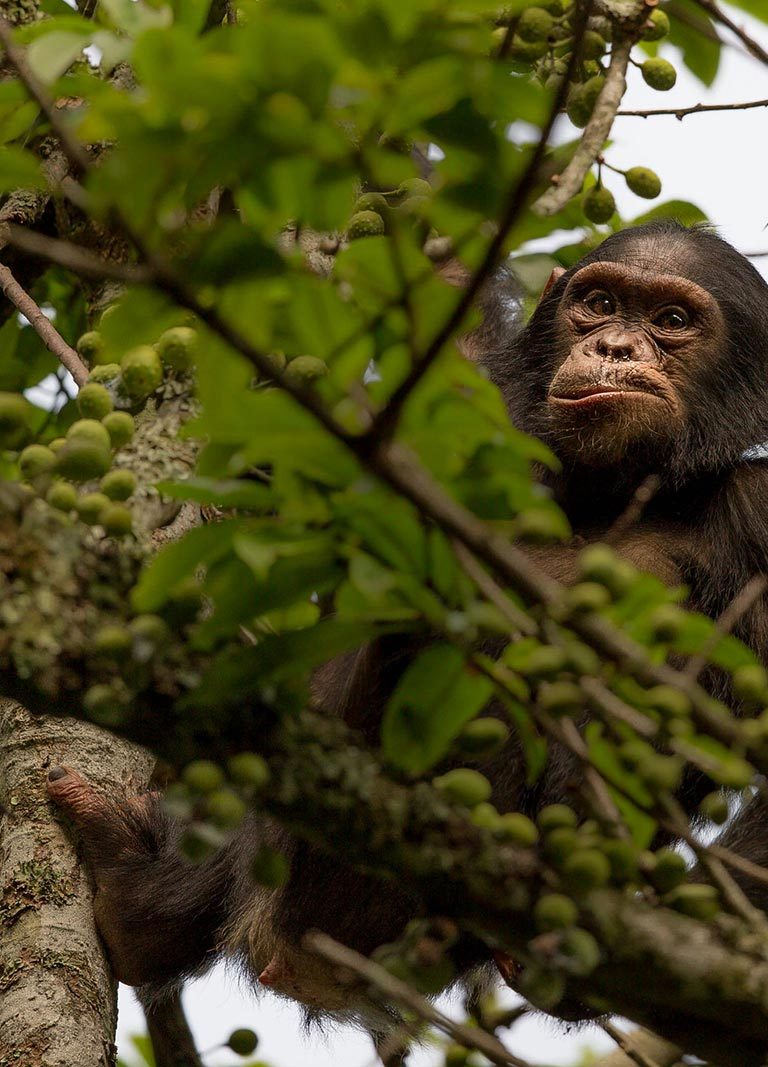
(591, 395)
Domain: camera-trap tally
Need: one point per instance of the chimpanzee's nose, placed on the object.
(618, 345)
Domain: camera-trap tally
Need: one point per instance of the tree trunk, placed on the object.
(57, 998)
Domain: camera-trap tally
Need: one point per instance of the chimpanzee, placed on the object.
(650, 356)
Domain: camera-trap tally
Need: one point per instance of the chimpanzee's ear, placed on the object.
(557, 272)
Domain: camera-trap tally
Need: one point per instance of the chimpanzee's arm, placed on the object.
(159, 915)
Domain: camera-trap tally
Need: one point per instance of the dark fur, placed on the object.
(707, 526)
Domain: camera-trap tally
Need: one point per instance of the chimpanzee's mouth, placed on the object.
(590, 395)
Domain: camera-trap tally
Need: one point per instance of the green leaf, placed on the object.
(681, 210)
(436, 696)
(178, 561)
(50, 56)
(19, 170)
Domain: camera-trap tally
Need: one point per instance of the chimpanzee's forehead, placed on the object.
(656, 254)
(637, 283)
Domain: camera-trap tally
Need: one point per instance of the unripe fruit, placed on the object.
(464, 786)
(203, 776)
(365, 224)
(485, 816)
(270, 868)
(517, 829)
(36, 460)
(62, 496)
(599, 204)
(659, 74)
(112, 640)
(177, 348)
(149, 628)
(277, 360)
(14, 420)
(89, 430)
(587, 596)
(660, 773)
(586, 869)
(81, 460)
(142, 371)
(657, 25)
(120, 426)
(527, 51)
(248, 768)
(733, 772)
(116, 520)
(560, 843)
(456, 1056)
(622, 856)
(560, 698)
(668, 701)
(242, 1042)
(581, 659)
(634, 751)
(667, 622)
(750, 683)
(94, 401)
(698, 901)
(90, 507)
(643, 182)
(104, 372)
(668, 871)
(119, 484)
(599, 563)
(305, 369)
(414, 187)
(543, 662)
(554, 816)
(225, 809)
(592, 45)
(579, 952)
(582, 99)
(539, 526)
(714, 806)
(102, 705)
(482, 737)
(57, 444)
(535, 24)
(542, 987)
(375, 202)
(90, 346)
(554, 912)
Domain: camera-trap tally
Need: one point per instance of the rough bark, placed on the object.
(57, 998)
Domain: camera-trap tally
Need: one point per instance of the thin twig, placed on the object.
(42, 326)
(632, 514)
(697, 109)
(72, 257)
(401, 993)
(738, 607)
(627, 1046)
(717, 13)
(493, 592)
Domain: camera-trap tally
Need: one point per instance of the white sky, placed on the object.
(720, 162)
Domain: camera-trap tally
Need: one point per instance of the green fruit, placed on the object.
(90, 507)
(242, 1042)
(668, 871)
(116, 520)
(535, 24)
(57, 444)
(714, 806)
(581, 658)
(142, 371)
(365, 224)
(578, 952)
(586, 869)
(225, 809)
(599, 563)
(543, 662)
(698, 901)
(527, 51)
(94, 401)
(634, 751)
(415, 187)
(660, 773)
(177, 348)
(560, 698)
(104, 372)
(120, 426)
(150, 629)
(464, 786)
(622, 856)
(119, 484)
(81, 460)
(36, 460)
(599, 205)
(277, 360)
(582, 100)
(555, 816)
(199, 843)
(560, 843)
(62, 496)
(667, 622)
(376, 202)
(668, 701)
(554, 912)
(270, 868)
(587, 597)
(456, 1056)
(89, 430)
(90, 346)
(659, 74)
(482, 737)
(750, 683)
(643, 182)
(517, 829)
(540, 526)
(14, 420)
(485, 816)
(305, 369)
(112, 640)
(247, 768)
(733, 772)
(544, 988)
(203, 776)
(102, 705)
(592, 45)
(657, 25)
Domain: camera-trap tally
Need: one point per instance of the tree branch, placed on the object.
(697, 109)
(42, 326)
(72, 257)
(717, 13)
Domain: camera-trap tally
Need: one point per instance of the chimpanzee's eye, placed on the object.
(599, 303)
(671, 318)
